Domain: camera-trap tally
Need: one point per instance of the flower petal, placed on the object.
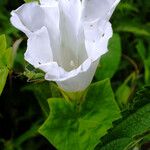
(53, 70)
(70, 12)
(75, 80)
(97, 35)
(81, 50)
(71, 81)
(51, 21)
(48, 2)
(81, 80)
(15, 20)
(102, 9)
(39, 49)
(28, 17)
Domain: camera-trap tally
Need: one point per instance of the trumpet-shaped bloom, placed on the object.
(66, 38)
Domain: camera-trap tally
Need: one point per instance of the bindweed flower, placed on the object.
(66, 38)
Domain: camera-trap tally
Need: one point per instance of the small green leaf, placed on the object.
(122, 94)
(110, 61)
(3, 44)
(124, 91)
(145, 58)
(147, 70)
(31, 75)
(3, 77)
(81, 126)
(28, 1)
(141, 49)
(5, 61)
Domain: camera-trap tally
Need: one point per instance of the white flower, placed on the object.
(66, 38)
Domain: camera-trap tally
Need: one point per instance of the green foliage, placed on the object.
(27, 1)
(79, 126)
(5, 61)
(118, 144)
(110, 61)
(124, 91)
(132, 18)
(16, 143)
(42, 93)
(2, 43)
(145, 56)
(133, 127)
(127, 7)
(134, 28)
(33, 74)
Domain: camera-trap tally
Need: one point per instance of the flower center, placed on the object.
(72, 64)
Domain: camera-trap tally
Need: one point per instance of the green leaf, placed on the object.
(5, 61)
(141, 49)
(127, 7)
(33, 75)
(133, 127)
(134, 28)
(2, 43)
(32, 132)
(118, 144)
(3, 77)
(124, 91)
(28, 1)
(55, 90)
(42, 93)
(81, 126)
(135, 124)
(122, 94)
(145, 58)
(108, 65)
(147, 70)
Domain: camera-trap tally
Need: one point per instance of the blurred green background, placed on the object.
(20, 111)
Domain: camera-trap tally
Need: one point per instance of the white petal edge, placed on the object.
(25, 18)
(48, 2)
(52, 69)
(39, 48)
(114, 5)
(96, 38)
(94, 9)
(15, 20)
(71, 81)
(80, 81)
